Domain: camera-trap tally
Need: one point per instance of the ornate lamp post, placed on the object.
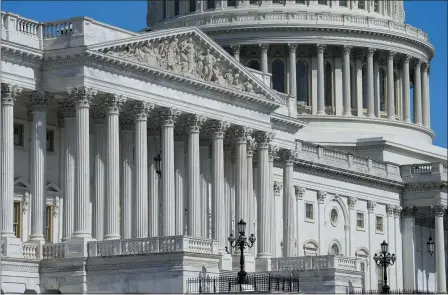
(430, 243)
(384, 259)
(241, 243)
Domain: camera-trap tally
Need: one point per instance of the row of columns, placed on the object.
(421, 82)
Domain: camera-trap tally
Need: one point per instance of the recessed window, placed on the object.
(254, 64)
(18, 135)
(309, 211)
(334, 216)
(300, 1)
(343, 3)
(334, 249)
(49, 223)
(17, 219)
(376, 6)
(50, 141)
(360, 220)
(379, 224)
(322, 2)
(361, 4)
(231, 2)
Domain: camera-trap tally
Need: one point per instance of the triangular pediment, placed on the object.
(191, 54)
(51, 187)
(21, 183)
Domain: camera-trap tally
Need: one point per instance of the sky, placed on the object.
(430, 16)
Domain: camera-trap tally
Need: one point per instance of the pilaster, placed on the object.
(371, 205)
(351, 201)
(321, 196)
(299, 218)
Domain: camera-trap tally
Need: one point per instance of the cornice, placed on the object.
(24, 55)
(286, 124)
(437, 186)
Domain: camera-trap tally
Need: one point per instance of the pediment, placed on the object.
(191, 54)
(21, 183)
(51, 187)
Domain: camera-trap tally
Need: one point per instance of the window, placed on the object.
(231, 2)
(254, 64)
(49, 223)
(334, 249)
(302, 81)
(376, 6)
(360, 220)
(343, 3)
(18, 135)
(328, 72)
(300, 1)
(361, 4)
(176, 7)
(211, 4)
(50, 141)
(309, 211)
(17, 219)
(379, 224)
(322, 2)
(382, 90)
(365, 90)
(334, 216)
(278, 75)
(192, 5)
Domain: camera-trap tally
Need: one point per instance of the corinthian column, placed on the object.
(264, 57)
(370, 84)
(127, 166)
(440, 249)
(141, 110)
(100, 137)
(241, 134)
(179, 154)
(218, 203)
(82, 97)
(168, 117)
(250, 185)
(113, 103)
(67, 111)
(406, 91)
(236, 52)
(425, 95)
(38, 104)
(194, 123)
(347, 94)
(292, 105)
(320, 80)
(288, 157)
(390, 86)
(418, 94)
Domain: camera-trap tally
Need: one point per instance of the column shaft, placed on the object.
(347, 92)
(69, 173)
(440, 250)
(320, 80)
(418, 94)
(154, 189)
(425, 96)
(292, 80)
(288, 204)
(264, 57)
(241, 134)
(194, 179)
(179, 178)
(406, 92)
(390, 87)
(370, 85)
(127, 165)
(205, 175)
(236, 52)
(98, 206)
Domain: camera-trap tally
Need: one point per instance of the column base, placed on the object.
(76, 247)
(225, 262)
(263, 263)
(12, 247)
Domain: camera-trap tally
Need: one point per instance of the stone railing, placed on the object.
(424, 172)
(144, 246)
(236, 17)
(327, 156)
(52, 251)
(315, 263)
(30, 250)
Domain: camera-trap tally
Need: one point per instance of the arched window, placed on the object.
(382, 90)
(302, 81)
(328, 85)
(365, 91)
(192, 5)
(254, 64)
(211, 4)
(361, 4)
(334, 249)
(278, 75)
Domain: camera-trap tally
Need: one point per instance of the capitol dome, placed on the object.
(302, 48)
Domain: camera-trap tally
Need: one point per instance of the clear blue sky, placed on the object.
(430, 16)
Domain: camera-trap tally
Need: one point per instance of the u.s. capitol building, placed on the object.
(128, 158)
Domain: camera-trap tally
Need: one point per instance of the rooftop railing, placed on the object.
(424, 172)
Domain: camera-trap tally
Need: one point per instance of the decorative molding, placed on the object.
(300, 192)
(321, 195)
(278, 186)
(263, 138)
(371, 206)
(19, 268)
(168, 116)
(390, 210)
(113, 102)
(152, 264)
(141, 109)
(439, 210)
(397, 211)
(438, 186)
(219, 128)
(241, 133)
(82, 96)
(9, 93)
(351, 201)
(194, 123)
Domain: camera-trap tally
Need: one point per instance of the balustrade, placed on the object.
(30, 250)
(315, 263)
(51, 251)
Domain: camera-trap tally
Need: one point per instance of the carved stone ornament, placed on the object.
(126, 121)
(184, 55)
(194, 123)
(39, 100)
(168, 116)
(67, 109)
(410, 212)
(352, 202)
(56, 207)
(263, 138)
(113, 102)
(241, 133)
(390, 210)
(278, 186)
(251, 145)
(82, 96)
(397, 211)
(288, 156)
(9, 93)
(439, 210)
(321, 195)
(273, 152)
(236, 49)
(371, 205)
(141, 109)
(219, 128)
(25, 202)
(300, 192)
(99, 115)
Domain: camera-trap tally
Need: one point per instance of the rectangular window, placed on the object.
(376, 6)
(50, 141)
(176, 7)
(17, 219)
(18, 135)
(231, 2)
(300, 1)
(309, 211)
(379, 224)
(49, 223)
(322, 2)
(343, 3)
(360, 220)
(361, 4)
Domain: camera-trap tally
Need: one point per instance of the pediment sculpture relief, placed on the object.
(186, 57)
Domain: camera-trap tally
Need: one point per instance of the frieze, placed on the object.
(427, 186)
(20, 268)
(152, 264)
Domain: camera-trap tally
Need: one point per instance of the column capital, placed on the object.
(278, 186)
(320, 48)
(299, 191)
(371, 206)
(439, 210)
(264, 47)
(390, 210)
(418, 63)
(273, 152)
(251, 146)
(194, 122)
(351, 201)
(292, 47)
(236, 48)
(347, 48)
(82, 96)
(9, 93)
(241, 133)
(371, 51)
(39, 100)
(321, 195)
(425, 67)
(219, 128)
(141, 109)
(410, 212)
(168, 116)
(288, 156)
(263, 138)
(113, 102)
(397, 211)
(391, 54)
(67, 109)
(407, 58)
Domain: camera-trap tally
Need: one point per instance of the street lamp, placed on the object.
(241, 243)
(384, 259)
(430, 243)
